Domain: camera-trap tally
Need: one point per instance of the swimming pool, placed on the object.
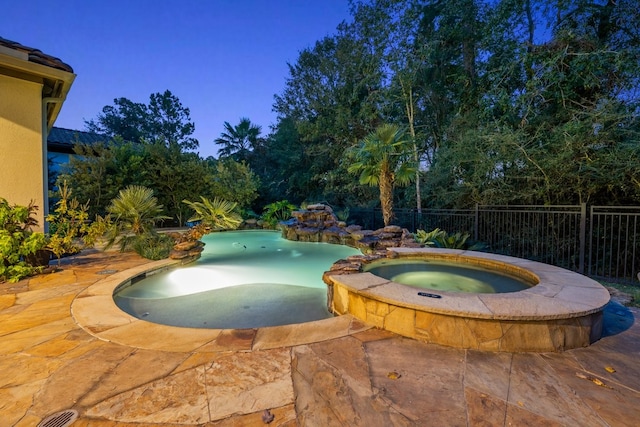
(244, 279)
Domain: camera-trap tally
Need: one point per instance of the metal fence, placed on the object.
(602, 241)
(614, 242)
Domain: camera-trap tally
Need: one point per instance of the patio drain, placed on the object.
(60, 419)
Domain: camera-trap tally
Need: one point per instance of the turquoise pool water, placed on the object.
(244, 279)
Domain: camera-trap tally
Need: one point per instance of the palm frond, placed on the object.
(216, 213)
(136, 210)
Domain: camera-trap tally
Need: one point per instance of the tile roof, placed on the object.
(36, 55)
(62, 140)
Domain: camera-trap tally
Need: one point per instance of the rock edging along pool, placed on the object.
(560, 311)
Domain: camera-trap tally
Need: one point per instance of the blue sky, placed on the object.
(224, 59)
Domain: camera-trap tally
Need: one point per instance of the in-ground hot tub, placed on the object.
(560, 309)
(449, 276)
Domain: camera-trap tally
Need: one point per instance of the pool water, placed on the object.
(244, 279)
(446, 276)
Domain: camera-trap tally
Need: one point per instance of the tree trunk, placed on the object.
(386, 196)
(531, 29)
(410, 110)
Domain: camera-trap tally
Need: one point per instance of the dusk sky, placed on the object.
(224, 59)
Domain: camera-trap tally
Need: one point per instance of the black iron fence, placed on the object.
(614, 242)
(602, 241)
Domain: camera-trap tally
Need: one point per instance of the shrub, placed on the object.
(217, 214)
(18, 241)
(343, 215)
(66, 224)
(277, 211)
(134, 212)
(98, 228)
(438, 238)
(152, 245)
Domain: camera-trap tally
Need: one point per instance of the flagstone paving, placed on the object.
(63, 347)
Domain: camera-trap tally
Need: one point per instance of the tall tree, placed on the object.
(232, 181)
(284, 165)
(332, 95)
(163, 120)
(549, 132)
(395, 24)
(170, 121)
(498, 97)
(175, 175)
(238, 141)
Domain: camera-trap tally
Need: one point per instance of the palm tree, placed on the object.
(238, 140)
(384, 158)
(135, 212)
(217, 214)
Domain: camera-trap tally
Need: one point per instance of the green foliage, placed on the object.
(504, 102)
(549, 133)
(333, 99)
(97, 229)
(237, 141)
(384, 158)
(217, 214)
(163, 120)
(67, 223)
(134, 212)
(498, 109)
(278, 164)
(632, 290)
(343, 214)
(386, 152)
(175, 175)
(17, 240)
(438, 238)
(277, 211)
(152, 245)
(233, 181)
(98, 172)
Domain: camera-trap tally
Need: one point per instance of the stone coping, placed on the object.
(95, 311)
(556, 293)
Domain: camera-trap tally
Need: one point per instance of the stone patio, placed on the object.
(339, 372)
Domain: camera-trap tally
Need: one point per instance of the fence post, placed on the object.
(414, 213)
(475, 225)
(583, 235)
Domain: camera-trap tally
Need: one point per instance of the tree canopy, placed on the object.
(100, 171)
(503, 102)
(163, 120)
(507, 101)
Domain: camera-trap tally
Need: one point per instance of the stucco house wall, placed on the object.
(33, 87)
(21, 144)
